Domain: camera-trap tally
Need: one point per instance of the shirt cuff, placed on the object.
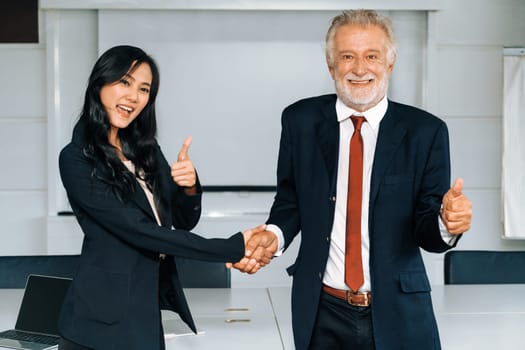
(280, 238)
(446, 236)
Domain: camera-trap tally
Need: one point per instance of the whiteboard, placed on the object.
(225, 78)
(227, 75)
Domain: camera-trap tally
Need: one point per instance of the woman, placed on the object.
(134, 211)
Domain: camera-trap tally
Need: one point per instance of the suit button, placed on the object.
(320, 276)
(332, 199)
(328, 239)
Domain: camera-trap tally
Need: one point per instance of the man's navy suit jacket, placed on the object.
(410, 175)
(115, 298)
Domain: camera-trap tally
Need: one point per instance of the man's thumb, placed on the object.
(457, 188)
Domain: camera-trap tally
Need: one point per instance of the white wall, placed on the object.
(465, 82)
(23, 143)
(461, 81)
(204, 57)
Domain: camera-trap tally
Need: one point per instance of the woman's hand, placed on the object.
(183, 171)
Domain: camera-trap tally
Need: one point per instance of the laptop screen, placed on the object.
(41, 304)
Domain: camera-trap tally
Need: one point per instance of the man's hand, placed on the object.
(260, 247)
(183, 171)
(456, 212)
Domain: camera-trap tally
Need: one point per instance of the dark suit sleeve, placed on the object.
(435, 181)
(285, 210)
(100, 212)
(185, 209)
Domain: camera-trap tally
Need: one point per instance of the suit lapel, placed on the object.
(140, 199)
(328, 139)
(390, 136)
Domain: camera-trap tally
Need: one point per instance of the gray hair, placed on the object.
(363, 18)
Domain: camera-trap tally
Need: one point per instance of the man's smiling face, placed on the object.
(361, 65)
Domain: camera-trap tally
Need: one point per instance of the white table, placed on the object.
(480, 317)
(479, 298)
(229, 319)
(281, 302)
(239, 318)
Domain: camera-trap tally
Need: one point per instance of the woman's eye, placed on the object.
(124, 82)
(144, 90)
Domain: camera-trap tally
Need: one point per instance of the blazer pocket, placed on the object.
(414, 282)
(397, 179)
(102, 295)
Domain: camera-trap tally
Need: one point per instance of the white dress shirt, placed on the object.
(335, 266)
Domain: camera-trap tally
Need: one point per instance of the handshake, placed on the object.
(260, 246)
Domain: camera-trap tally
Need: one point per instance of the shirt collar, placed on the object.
(373, 115)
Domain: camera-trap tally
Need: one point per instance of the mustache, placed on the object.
(368, 76)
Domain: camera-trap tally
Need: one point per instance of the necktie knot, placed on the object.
(357, 120)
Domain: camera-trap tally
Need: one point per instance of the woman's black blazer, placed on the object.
(115, 298)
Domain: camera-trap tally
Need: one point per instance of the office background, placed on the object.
(219, 62)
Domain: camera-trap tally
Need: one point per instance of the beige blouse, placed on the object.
(149, 195)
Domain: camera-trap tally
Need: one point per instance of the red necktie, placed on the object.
(353, 262)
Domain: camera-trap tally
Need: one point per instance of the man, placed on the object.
(399, 163)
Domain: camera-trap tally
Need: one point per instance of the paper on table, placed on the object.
(177, 328)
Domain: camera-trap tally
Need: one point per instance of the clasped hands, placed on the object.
(260, 247)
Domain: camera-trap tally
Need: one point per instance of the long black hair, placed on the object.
(138, 139)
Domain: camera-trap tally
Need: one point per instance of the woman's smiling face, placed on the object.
(124, 99)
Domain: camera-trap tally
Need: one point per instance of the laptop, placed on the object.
(37, 322)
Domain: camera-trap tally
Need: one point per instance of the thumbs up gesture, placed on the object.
(456, 212)
(183, 171)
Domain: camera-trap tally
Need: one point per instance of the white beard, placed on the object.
(357, 97)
